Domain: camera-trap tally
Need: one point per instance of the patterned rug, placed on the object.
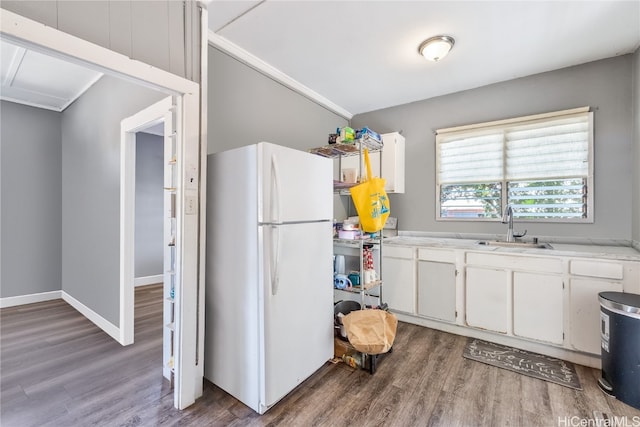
(523, 362)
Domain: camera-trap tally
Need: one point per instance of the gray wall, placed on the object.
(162, 33)
(149, 205)
(91, 192)
(604, 85)
(30, 196)
(636, 157)
(246, 107)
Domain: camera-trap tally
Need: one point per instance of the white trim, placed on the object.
(41, 38)
(29, 299)
(269, 70)
(81, 92)
(128, 128)
(109, 328)
(4, 97)
(586, 359)
(112, 330)
(519, 120)
(14, 66)
(127, 232)
(148, 280)
(204, 149)
(188, 176)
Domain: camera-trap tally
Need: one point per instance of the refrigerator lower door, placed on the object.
(298, 305)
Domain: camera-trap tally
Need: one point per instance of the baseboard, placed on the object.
(29, 299)
(112, 330)
(148, 280)
(585, 359)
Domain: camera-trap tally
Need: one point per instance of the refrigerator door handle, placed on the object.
(275, 195)
(275, 259)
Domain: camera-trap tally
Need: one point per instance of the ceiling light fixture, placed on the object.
(436, 48)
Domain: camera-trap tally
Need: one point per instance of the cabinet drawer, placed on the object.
(606, 270)
(549, 265)
(398, 251)
(437, 255)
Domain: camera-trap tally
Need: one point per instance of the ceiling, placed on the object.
(361, 56)
(39, 80)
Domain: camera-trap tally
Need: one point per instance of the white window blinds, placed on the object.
(542, 163)
(552, 149)
(471, 158)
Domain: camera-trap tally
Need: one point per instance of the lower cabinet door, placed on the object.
(585, 312)
(437, 290)
(538, 307)
(487, 299)
(399, 288)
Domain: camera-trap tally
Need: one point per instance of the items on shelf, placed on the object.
(341, 281)
(350, 230)
(354, 360)
(367, 257)
(346, 135)
(365, 277)
(350, 175)
(369, 275)
(365, 132)
(349, 142)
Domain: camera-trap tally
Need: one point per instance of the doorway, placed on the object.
(190, 167)
(161, 116)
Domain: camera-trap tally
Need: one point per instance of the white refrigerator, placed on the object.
(269, 274)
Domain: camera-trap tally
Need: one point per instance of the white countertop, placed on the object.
(609, 250)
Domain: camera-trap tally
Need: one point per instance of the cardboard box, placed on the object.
(341, 347)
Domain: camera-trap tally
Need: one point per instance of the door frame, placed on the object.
(128, 129)
(190, 171)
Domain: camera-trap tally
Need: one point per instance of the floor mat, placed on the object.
(523, 362)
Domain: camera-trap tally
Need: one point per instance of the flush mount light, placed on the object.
(436, 48)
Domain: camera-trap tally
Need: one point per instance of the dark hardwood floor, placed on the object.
(58, 369)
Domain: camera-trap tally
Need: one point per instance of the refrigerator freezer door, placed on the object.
(296, 186)
(298, 305)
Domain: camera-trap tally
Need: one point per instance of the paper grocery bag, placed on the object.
(371, 331)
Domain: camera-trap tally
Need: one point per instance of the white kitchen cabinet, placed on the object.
(538, 306)
(398, 267)
(437, 290)
(487, 299)
(589, 278)
(388, 163)
(392, 162)
(548, 303)
(585, 311)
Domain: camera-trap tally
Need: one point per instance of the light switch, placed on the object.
(191, 207)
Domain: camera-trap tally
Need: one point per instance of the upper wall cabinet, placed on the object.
(388, 163)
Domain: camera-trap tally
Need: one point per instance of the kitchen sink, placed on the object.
(504, 244)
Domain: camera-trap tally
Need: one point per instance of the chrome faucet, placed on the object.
(507, 218)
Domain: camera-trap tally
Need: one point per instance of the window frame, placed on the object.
(478, 128)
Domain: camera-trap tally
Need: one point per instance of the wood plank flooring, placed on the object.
(58, 369)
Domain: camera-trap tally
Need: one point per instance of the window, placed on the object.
(542, 165)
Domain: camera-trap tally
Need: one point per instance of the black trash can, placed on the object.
(620, 332)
